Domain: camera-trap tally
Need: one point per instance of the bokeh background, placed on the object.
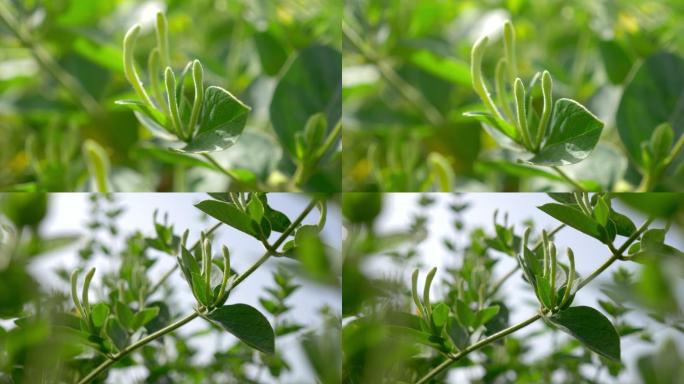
(406, 77)
(245, 47)
(426, 233)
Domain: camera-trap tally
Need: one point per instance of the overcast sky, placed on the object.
(589, 253)
(69, 212)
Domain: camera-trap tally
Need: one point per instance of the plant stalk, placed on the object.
(484, 342)
(274, 247)
(568, 179)
(138, 344)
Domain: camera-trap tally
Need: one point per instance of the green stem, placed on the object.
(473, 347)
(234, 178)
(568, 179)
(274, 247)
(484, 342)
(140, 343)
(653, 175)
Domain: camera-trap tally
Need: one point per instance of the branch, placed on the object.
(569, 179)
(172, 327)
(473, 347)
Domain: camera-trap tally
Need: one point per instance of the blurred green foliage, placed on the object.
(386, 338)
(46, 338)
(62, 71)
(407, 83)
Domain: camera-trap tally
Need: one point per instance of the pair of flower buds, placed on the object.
(159, 58)
(545, 281)
(200, 278)
(507, 67)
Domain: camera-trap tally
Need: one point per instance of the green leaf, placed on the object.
(653, 96)
(221, 122)
(590, 327)
(311, 84)
(255, 208)
(457, 333)
(125, 315)
(573, 134)
(616, 62)
(448, 68)
(486, 314)
(99, 314)
(623, 224)
(228, 214)
(145, 316)
(272, 53)
(150, 118)
(440, 314)
(488, 120)
(601, 211)
(661, 141)
(247, 324)
(199, 288)
(544, 290)
(464, 313)
(279, 221)
(573, 217)
(117, 333)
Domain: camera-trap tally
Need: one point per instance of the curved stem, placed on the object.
(140, 343)
(473, 347)
(225, 171)
(568, 179)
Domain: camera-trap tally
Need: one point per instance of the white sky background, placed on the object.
(589, 254)
(69, 212)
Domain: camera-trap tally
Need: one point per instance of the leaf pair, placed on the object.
(248, 213)
(594, 217)
(214, 119)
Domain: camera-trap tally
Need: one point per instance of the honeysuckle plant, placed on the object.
(431, 335)
(584, 114)
(123, 323)
(561, 133)
(211, 119)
